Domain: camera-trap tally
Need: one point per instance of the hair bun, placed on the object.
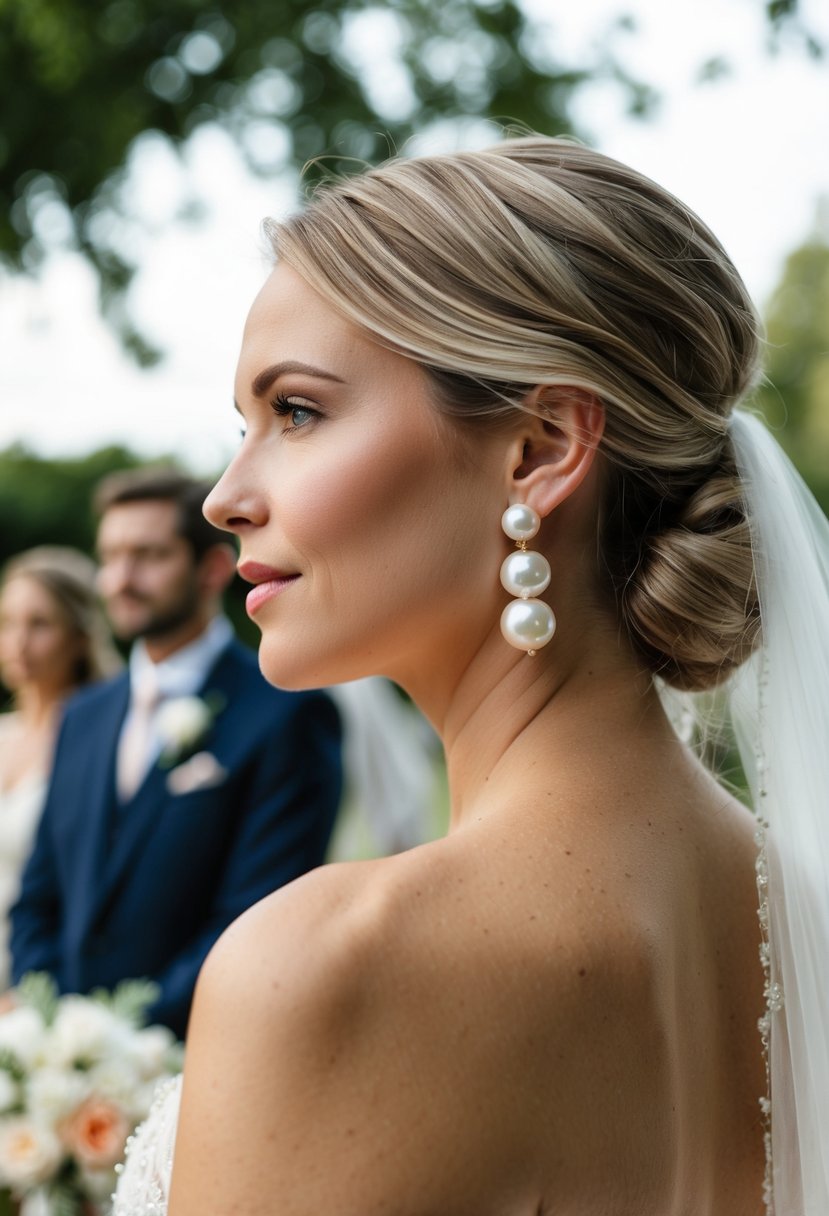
(691, 604)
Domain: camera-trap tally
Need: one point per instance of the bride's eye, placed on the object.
(299, 413)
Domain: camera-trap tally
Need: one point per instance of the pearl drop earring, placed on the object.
(526, 623)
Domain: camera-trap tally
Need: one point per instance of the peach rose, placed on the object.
(96, 1132)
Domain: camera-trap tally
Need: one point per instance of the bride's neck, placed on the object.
(507, 709)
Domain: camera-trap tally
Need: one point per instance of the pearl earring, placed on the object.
(526, 623)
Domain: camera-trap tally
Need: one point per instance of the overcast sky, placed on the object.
(748, 152)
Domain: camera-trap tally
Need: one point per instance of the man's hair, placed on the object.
(164, 485)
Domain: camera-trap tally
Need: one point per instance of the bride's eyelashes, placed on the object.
(297, 409)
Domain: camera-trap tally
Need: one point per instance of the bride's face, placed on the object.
(369, 523)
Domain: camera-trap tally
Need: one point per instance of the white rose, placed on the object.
(82, 1031)
(52, 1093)
(9, 1091)
(22, 1032)
(115, 1080)
(29, 1152)
(181, 721)
(151, 1050)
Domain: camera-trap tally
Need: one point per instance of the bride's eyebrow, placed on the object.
(265, 379)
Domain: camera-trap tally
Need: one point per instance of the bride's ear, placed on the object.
(555, 448)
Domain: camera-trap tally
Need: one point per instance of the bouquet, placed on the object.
(77, 1075)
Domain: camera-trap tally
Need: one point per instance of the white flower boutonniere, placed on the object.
(182, 723)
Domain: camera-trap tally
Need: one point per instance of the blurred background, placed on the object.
(143, 142)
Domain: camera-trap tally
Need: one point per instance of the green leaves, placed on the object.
(794, 394)
(333, 83)
(40, 992)
(130, 1000)
(64, 1200)
(291, 81)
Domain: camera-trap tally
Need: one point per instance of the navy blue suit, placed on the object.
(145, 889)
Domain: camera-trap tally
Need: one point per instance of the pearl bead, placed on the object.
(527, 624)
(525, 573)
(520, 522)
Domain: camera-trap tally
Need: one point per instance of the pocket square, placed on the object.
(200, 772)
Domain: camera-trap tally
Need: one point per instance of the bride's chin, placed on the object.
(293, 671)
(290, 678)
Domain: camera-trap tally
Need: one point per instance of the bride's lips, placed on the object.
(269, 582)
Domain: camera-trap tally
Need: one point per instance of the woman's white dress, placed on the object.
(20, 809)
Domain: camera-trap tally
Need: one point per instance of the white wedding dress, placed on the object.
(144, 1181)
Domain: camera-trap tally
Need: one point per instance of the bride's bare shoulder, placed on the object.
(354, 956)
(329, 1017)
(314, 936)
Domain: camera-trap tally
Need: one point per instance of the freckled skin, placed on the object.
(554, 1008)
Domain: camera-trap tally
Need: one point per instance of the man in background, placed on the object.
(183, 790)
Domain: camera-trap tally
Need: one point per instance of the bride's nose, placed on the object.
(234, 504)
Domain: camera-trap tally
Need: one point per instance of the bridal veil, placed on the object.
(779, 707)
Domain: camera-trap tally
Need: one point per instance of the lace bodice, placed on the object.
(144, 1178)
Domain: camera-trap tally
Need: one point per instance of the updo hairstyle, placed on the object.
(540, 261)
(69, 577)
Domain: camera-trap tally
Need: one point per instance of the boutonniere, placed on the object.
(183, 723)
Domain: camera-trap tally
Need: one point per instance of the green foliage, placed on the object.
(64, 1199)
(785, 17)
(795, 397)
(81, 80)
(292, 80)
(39, 991)
(129, 1000)
(45, 501)
(10, 1064)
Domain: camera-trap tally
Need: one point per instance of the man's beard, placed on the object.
(165, 621)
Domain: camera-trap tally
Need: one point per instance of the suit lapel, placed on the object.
(134, 822)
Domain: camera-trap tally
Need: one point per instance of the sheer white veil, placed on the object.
(779, 706)
(390, 759)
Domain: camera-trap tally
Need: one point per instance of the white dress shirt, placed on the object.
(181, 674)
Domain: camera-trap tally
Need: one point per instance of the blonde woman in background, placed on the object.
(53, 640)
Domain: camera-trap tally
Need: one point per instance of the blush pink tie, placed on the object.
(133, 749)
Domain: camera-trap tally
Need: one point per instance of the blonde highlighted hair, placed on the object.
(541, 261)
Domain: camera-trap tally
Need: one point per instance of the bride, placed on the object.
(525, 360)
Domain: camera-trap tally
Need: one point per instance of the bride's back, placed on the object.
(554, 1010)
(642, 1092)
(564, 1007)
